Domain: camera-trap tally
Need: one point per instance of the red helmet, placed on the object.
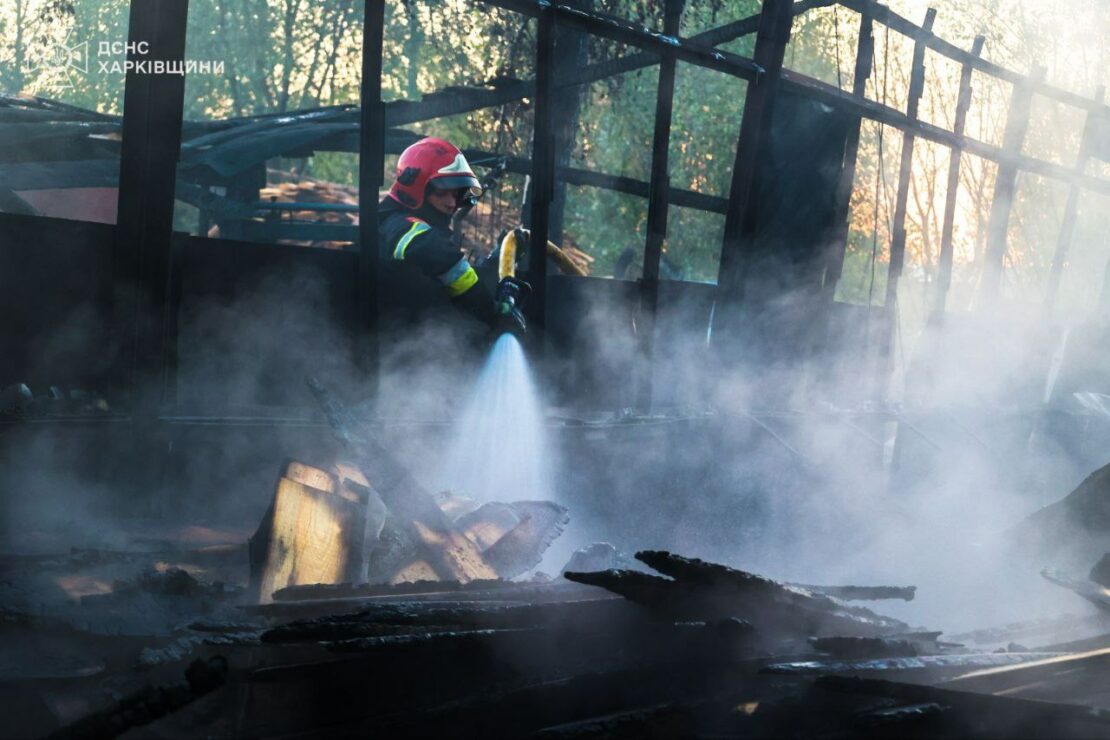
(430, 163)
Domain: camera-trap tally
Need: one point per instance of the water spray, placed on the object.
(499, 447)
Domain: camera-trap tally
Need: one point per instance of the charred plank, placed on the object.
(150, 703)
(701, 590)
(862, 593)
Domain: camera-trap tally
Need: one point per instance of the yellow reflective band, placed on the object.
(459, 279)
(417, 228)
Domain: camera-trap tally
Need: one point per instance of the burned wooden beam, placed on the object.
(944, 261)
(371, 165)
(865, 53)
(422, 645)
(1095, 593)
(413, 511)
(147, 177)
(884, 15)
(983, 715)
(626, 32)
(346, 631)
(898, 224)
(541, 182)
(571, 55)
(459, 615)
(1005, 186)
(1100, 571)
(456, 101)
(472, 591)
(866, 647)
(590, 178)
(1071, 207)
(862, 593)
(472, 665)
(575, 704)
(832, 95)
(775, 22)
(1080, 678)
(319, 591)
(149, 703)
(701, 590)
(658, 207)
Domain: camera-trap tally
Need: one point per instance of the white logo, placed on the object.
(60, 60)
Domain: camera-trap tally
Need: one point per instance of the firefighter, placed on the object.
(432, 181)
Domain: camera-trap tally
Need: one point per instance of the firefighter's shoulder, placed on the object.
(414, 230)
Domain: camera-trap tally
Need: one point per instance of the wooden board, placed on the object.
(309, 535)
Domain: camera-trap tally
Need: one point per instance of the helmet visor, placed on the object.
(457, 182)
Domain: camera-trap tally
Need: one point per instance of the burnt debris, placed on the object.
(701, 590)
(702, 649)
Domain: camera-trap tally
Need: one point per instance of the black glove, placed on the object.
(512, 295)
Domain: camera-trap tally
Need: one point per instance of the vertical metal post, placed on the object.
(898, 227)
(371, 164)
(944, 261)
(153, 107)
(775, 20)
(1071, 209)
(1017, 123)
(865, 55)
(657, 209)
(543, 164)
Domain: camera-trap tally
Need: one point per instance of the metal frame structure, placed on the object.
(152, 125)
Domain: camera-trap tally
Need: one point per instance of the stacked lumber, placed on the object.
(331, 526)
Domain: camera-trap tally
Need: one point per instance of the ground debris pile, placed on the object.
(331, 527)
(702, 650)
(365, 519)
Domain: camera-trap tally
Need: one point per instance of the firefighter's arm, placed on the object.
(439, 259)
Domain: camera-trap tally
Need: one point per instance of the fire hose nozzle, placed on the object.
(512, 295)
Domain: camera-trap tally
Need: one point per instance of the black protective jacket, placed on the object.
(417, 252)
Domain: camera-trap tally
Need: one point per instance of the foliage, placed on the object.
(32, 31)
(282, 55)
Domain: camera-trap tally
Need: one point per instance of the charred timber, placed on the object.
(1095, 593)
(365, 590)
(578, 706)
(884, 15)
(623, 31)
(149, 703)
(457, 616)
(866, 647)
(983, 715)
(1100, 572)
(701, 590)
(862, 593)
(346, 631)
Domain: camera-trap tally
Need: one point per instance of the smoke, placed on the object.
(790, 468)
(783, 468)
